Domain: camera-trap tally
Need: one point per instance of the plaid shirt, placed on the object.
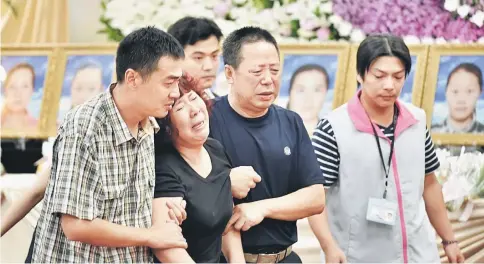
(100, 171)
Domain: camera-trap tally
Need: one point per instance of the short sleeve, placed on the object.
(307, 165)
(168, 184)
(431, 160)
(77, 187)
(326, 150)
(218, 149)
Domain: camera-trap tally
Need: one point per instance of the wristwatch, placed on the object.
(448, 242)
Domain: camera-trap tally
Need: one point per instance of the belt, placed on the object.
(268, 258)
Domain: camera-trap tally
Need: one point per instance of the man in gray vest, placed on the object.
(378, 161)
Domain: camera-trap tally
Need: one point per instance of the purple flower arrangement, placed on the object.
(420, 18)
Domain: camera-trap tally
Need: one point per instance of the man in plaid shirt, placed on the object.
(97, 206)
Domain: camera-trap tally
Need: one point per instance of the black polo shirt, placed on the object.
(279, 149)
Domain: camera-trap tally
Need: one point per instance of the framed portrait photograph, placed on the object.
(312, 79)
(414, 83)
(454, 98)
(84, 72)
(26, 74)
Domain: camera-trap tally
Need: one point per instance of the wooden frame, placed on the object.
(341, 50)
(420, 51)
(82, 53)
(33, 56)
(432, 78)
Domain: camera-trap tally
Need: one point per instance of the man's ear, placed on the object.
(132, 78)
(229, 74)
(359, 79)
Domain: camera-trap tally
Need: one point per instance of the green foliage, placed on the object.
(113, 34)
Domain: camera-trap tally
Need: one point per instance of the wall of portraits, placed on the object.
(41, 84)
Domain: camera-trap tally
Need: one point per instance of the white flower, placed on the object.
(478, 18)
(357, 35)
(440, 40)
(280, 14)
(210, 3)
(451, 5)
(427, 40)
(463, 10)
(284, 30)
(312, 5)
(226, 26)
(480, 40)
(266, 20)
(455, 41)
(240, 2)
(411, 40)
(305, 34)
(344, 28)
(326, 8)
(335, 19)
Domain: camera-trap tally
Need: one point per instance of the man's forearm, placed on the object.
(435, 207)
(319, 225)
(297, 205)
(173, 255)
(100, 232)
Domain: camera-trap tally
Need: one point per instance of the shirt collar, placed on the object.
(121, 131)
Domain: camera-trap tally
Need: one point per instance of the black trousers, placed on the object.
(292, 258)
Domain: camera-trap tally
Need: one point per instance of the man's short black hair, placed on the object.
(376, 46)
(232, 45)
(142, 49)
(189, 30)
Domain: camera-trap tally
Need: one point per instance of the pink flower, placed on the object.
(221, 9)
(323, 33)
(421, 18)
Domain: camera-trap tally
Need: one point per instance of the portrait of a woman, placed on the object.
(307, 93)
(18, 90)
(462, 91)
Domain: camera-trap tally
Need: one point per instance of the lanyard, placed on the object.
(392, 145)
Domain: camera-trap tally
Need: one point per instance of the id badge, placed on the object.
(381, 211)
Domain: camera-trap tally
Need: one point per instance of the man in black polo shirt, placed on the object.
(272, 140)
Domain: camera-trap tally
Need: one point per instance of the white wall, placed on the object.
(84, 21)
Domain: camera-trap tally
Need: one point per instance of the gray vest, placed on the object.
(361, 176)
